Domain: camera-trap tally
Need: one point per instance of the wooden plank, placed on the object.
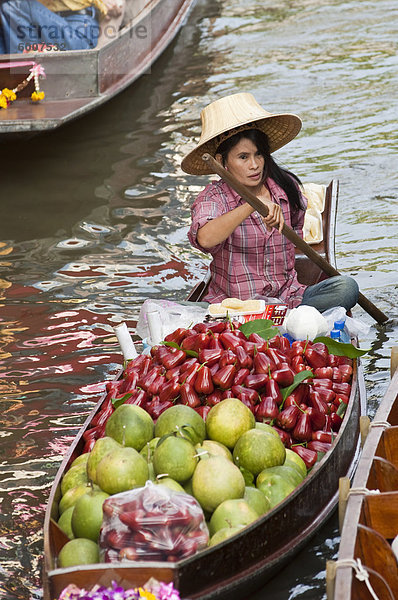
(383, 475)
(388, 445)
(381, 513)
(375, 552)
(379, 585)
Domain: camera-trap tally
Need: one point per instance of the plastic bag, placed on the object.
(152, 523)
(305, 322)
(356, 328)
(172, 315)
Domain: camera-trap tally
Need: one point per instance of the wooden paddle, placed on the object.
(291, 235)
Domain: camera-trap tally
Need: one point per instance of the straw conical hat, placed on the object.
(225, 117)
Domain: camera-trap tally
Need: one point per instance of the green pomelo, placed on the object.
(289, 473)
(224, 534)
(256, 450)
(256, 499)
(87, 515)
(83, 458)
(275, 488)
(176, 458)
(122, 470)
(101, 448)
(178, 416)
(74, 477)
(131, 426)
(149, 448)
(267, 428)
(172, 484)
(297, 460)
(79, 551)
(212, 448)
(72, 495)
(232, 513)
(215, 480)
(187, 485)
(65, 522)
(228, 420)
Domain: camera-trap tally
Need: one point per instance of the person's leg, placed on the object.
(3, 49)
(26, 22)
(335, 291)
(82, 31)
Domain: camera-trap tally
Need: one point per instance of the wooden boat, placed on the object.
(366, 560)
(81, 80)
(239, 565)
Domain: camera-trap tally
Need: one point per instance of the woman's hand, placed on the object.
(274, 218)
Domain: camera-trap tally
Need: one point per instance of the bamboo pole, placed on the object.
(291, 235)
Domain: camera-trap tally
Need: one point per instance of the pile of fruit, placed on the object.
(301, 389)
(231, 468)
(218, 412)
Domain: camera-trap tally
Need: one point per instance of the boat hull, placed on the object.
(371, 520)
(239, 565)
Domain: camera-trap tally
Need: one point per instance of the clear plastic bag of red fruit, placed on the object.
(152, 523)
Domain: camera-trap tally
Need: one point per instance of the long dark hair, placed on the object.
(287, 180)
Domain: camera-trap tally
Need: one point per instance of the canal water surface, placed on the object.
(94, 220)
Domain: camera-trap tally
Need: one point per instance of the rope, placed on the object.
(360, 572)
(384, 424)
(362, 491)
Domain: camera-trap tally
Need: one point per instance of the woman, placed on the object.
(251, 258)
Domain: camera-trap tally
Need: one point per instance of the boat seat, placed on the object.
(110, 28)
(388, 445)
(383, 475)
(378, 558)
(380, 512)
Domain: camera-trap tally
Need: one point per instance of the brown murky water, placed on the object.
(94, 220)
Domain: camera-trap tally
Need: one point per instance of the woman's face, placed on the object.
(245, 162)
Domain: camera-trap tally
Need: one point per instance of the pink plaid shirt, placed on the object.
(252, 262)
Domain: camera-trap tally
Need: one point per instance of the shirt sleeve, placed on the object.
(206, 207)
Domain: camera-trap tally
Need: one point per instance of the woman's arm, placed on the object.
(220, 228)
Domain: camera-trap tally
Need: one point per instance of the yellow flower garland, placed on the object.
(7, 96)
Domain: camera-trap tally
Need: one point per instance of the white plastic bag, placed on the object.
(356, 328)
(172, 315)
(305, 322)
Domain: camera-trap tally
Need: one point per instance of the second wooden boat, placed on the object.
(241, 564)
(79, 81)
(366, 567)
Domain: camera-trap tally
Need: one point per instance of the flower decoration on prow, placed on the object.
(36, 73)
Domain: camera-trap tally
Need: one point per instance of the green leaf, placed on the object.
(298, 378)
(171, 344)
(264, 327)
(175, 345)
(340, 349)
(191, 353)
(119, 401)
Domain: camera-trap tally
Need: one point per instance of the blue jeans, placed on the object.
(335, 291)
(26, 22)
